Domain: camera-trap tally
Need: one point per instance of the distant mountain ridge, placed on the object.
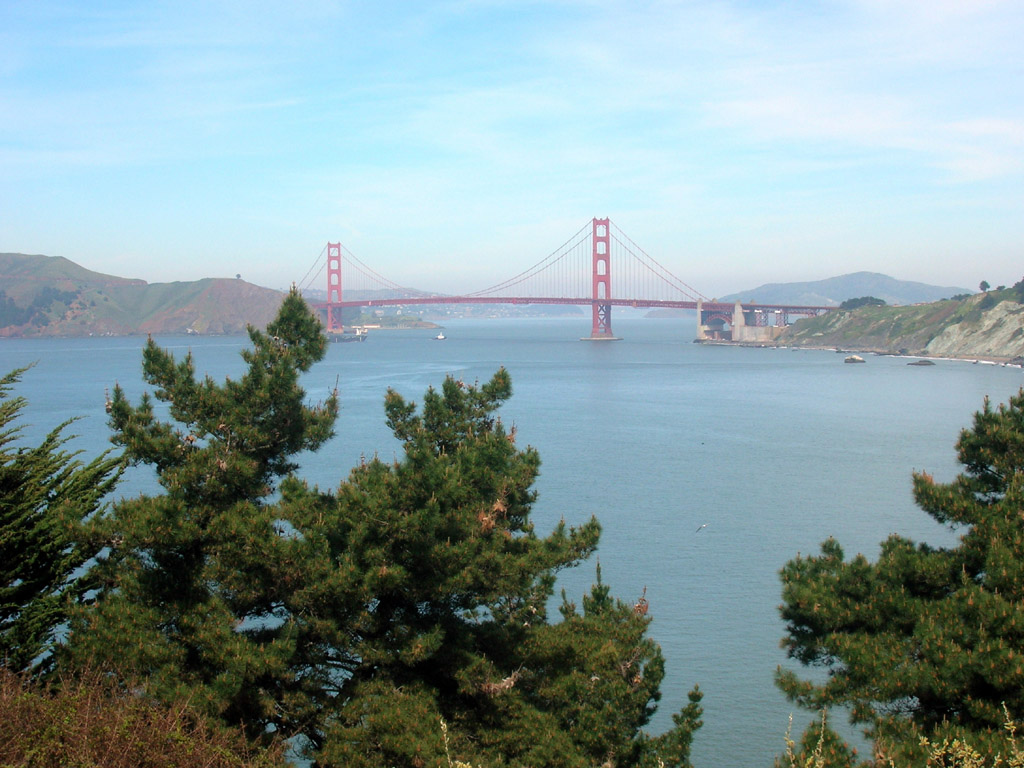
(53, 296)
(833, 291)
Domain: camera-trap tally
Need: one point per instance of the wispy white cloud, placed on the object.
(729, 123)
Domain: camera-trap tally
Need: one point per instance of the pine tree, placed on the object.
(440, 586)
(196, 579)
(363, 619)
(925, 639)
(600, 675)
(45, 495)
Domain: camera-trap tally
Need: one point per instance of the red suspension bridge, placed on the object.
(579, 272)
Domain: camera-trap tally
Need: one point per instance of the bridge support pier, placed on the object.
(601, 327)
(747, 325)
(751, 326)
(334, 324)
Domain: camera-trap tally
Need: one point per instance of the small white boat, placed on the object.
(439, 337)
(854, 359)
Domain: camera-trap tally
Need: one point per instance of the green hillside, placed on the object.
(52, 296)
(989, 324)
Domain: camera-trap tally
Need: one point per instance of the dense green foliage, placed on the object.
(358, 620)
(45, 495)
(925, 641)
(863, 301)
(195, 579)
(435, 575)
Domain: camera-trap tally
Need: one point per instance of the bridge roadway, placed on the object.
(707, 306)
(748, 323)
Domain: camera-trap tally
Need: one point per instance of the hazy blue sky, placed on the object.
(453, 144)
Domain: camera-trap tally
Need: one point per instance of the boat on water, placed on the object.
(854, 359)
(356, 334)
(440, 336)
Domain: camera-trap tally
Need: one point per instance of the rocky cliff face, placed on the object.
(989, 326)
(998, 332)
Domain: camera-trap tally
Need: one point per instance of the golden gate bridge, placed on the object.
(579, 272)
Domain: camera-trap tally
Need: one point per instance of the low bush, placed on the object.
(91, 723)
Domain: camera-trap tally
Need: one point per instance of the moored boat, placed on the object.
(356, 334)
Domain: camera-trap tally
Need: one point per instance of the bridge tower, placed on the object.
(601, 329)
(334, 325)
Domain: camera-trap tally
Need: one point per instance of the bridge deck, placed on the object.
(708, 306)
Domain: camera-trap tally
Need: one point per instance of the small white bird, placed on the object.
(701, 528)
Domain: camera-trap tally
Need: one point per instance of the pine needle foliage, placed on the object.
(925, 639)
(438, 585)
(358, 619)
(46, 493)
(196, 579)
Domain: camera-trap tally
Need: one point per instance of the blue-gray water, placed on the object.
(774, 450)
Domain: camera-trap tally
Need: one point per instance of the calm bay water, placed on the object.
(775, 450)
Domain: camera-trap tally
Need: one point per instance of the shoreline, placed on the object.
(973, 359)
(1009, 362)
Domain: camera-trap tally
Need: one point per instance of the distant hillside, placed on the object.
(835, 290)
(52, 296)
(983, 325)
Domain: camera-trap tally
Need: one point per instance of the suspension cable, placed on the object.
(556, 262)
(540, 266)
(371, 273)
(667, 276)
(317, 266)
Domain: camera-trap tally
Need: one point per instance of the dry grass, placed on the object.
(950, 752)
(813, 759)
(90, 723)
(958, 753)
(447, 752)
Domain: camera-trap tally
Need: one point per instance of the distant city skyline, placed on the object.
(452, 144)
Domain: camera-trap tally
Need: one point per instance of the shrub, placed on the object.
(91, 723)
(863, 301)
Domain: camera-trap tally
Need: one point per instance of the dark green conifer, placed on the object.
(196, 579)
(45, 495)
(925, 639)
(600, 675)
(416, 594)
(440, 586)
